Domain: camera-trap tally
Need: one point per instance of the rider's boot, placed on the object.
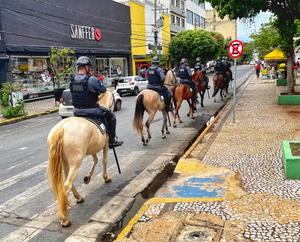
(113, 141)
(169, 107)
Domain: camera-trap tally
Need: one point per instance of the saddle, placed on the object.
(100, 124)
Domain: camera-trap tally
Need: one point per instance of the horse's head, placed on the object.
(198, 76)
(171, 78)
(107, 100)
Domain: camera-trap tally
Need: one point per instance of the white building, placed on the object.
(195, 15)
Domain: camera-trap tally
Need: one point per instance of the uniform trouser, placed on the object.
(100, 112)
(230, 73)
(206, 80)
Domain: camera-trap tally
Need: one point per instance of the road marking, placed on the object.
(34, 227)
(23, 148)
(16, 165)
(12, 180)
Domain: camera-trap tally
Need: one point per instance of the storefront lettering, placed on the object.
(85, 32)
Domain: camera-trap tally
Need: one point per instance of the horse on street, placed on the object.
(69, 141)
(150, 101)
(182, 92)
(220, 84)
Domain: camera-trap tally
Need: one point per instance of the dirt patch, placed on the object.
(295, 93)
(295, 148)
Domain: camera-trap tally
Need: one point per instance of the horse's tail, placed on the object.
(217, 86)
(139, 114)
(55, 170)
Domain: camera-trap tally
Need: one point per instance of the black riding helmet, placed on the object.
(183, 60)
(84, 61)
(219, 58)
(155, 59)
(198, 59)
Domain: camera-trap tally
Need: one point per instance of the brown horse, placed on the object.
(182, 92)
(69, 141)
(150, 101)
(219, 84)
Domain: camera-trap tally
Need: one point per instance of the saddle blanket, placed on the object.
(98, 122)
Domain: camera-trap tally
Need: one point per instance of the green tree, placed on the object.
(266, 39)
(162, 57)
(286, 13)
(60, 63)
(193, 43)
(224, 51)
(247, 54)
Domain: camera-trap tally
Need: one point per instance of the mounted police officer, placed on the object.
(156, 79)
(185, 74)
(220, 68)
(228, 65)
(85, 90)
(201, 67)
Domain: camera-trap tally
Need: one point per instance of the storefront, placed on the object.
(31, 28)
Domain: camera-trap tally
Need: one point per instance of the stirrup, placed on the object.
(115, 144)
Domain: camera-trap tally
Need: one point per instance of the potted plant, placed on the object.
(60, 63)
(291, 159)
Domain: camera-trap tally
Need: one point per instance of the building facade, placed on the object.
(30, 28)
(195, 15)
(142, 31)
(226, 27)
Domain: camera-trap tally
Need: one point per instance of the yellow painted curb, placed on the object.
(27, 116)
(180, 200)
(132, 222)
(201, 135)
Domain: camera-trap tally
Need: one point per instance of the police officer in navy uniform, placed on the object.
(201, 67)
(185, 74)
(156, 79)
(220, 68)
(85, 90)
(228, 65)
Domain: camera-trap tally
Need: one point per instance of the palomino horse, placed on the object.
(69, 141)
(150, 101)
(182, 92)
(219, 84)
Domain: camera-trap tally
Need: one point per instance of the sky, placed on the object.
(245, 30)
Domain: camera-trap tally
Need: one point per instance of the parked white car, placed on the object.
(66, 108)
(131, 84)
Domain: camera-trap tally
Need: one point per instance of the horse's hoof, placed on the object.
(174, 125)
(188, 114)
(202, 106)
(214, 101)
(81, 200)
(163, 137)
(221, 99)
(193, 117)
(180, 121)
(66, 224)
(86, 179)
(108, 180)
(167, 132)
(144, 144)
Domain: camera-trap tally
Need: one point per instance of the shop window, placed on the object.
(111, 69)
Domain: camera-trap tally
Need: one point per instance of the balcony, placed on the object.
(178, 11)
(176, 28)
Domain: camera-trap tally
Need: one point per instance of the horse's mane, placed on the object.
(102, 100)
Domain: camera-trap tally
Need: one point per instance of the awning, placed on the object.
(4, 57)
(276, 54)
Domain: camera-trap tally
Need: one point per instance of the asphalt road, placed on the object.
(24, 188)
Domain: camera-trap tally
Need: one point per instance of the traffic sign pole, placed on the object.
(235, 50)
(234, 88)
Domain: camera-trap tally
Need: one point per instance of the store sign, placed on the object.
(85, 32)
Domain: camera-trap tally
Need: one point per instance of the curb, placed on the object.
(14, 120)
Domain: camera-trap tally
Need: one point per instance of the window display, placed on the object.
(33, 74)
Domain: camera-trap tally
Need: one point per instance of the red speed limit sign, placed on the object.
(235, 49)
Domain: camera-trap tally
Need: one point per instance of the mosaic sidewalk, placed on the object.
(231, 186)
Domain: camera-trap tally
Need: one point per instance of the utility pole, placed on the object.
(155, 29)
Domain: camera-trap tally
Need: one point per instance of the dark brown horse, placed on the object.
(219, 84)
(182, 92)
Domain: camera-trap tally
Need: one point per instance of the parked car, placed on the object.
(131, 84)
(66, 108)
